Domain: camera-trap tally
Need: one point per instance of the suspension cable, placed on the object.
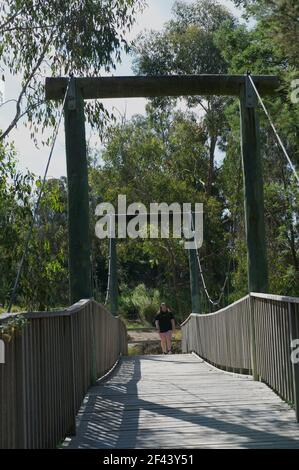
(108, 293)
(213, 302)
(35, 211)
(222, 290)
(274, 130)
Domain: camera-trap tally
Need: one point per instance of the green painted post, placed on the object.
(253, 191)
(113, 277)
(254, 205)
(78, 198)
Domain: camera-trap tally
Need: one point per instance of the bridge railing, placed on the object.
(255, 335)
(221, 338)
(276, 321)
(48, 369)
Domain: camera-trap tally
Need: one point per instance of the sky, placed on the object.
(34, 159)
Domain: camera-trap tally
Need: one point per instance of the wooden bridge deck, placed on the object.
(179, 401)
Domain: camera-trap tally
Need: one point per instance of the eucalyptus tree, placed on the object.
(186, 45)
(58, 37)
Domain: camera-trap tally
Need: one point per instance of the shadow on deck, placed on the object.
(179, 401)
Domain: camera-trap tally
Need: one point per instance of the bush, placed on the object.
(149, 313)
(127, 309)
(141, 303)
(147, 301)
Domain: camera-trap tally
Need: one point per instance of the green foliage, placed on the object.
(257, 49)
(139, 303)
(56, 38)
(44, 280)
(165, 156)
(15, 212)
(13, 327)
(127, 309)
(147, 302)
(279, 20)
(187, 45)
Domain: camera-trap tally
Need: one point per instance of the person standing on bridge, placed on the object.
(165, 325)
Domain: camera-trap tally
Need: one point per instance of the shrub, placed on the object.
(147, 301)
(140, 303)
(128, 309)
(149, 313)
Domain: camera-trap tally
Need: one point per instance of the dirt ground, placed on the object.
(137, 336)
(148, 342)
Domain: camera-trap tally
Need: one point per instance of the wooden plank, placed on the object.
(151, 86)
(179, 401)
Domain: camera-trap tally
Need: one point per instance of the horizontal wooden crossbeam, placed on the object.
(151, 86)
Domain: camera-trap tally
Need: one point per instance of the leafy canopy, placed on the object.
(58, 37)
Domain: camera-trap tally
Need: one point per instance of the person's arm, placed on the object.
(157, 325)
(172, 320)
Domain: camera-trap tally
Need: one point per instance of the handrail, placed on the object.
(277, 298)
(49, 368)
(218, 311)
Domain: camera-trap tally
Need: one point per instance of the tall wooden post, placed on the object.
(113, 284)
(253, 191)
(78, 200)
(254, 205)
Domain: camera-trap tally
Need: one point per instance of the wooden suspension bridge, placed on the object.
(67, 377)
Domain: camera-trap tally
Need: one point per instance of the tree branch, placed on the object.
(11, 18)
(19, 113)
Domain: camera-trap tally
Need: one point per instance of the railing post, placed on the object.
(72, 430)
(93, 345)
(294, 333)
(21, 387)
(252, 338)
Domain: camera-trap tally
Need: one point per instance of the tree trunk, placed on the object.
(211, 163)
(293, 248)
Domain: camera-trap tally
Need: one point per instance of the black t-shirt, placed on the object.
(164, 319)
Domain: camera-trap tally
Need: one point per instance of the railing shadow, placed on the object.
(104, 412)
(115, 416)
